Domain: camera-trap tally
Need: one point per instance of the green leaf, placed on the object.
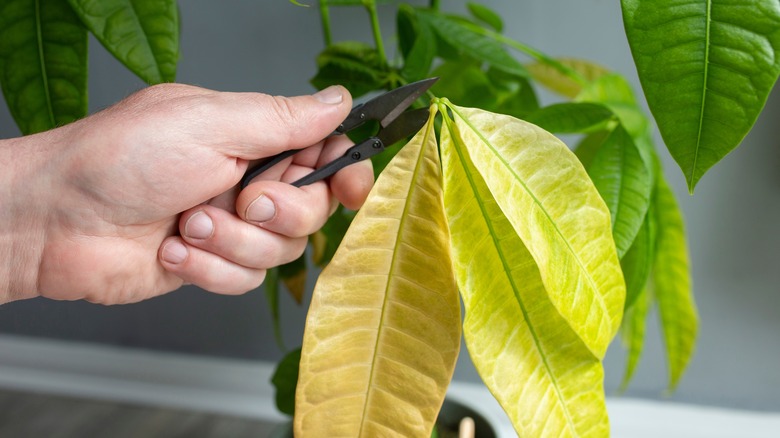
(486, 15)
(672, 281)
(43, 63)
(555, 80)
(625, 182)
(293, 275)
(420, 58)
(557, 212)
(271, 285)
(285, 380)
(637, 263)
(406, 25)
(383, 330)
(586, 149)
(474, 44)
(538, 369)
(706, 67)
(514, 95)
(142, 34)
(353, 64)
(569, 118)
(633, 334)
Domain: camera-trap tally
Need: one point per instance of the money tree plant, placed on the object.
(553, 249)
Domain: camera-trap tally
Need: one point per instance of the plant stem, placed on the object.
(380, 47)
(533, 53)
(434, 4)
(325, 18)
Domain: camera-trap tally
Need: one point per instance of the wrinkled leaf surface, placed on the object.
(383, 329)
(544, 377)
(706, 67)
(556, 211)
(43, 63)
(142, 34)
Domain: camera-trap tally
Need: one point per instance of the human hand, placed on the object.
(142, 197)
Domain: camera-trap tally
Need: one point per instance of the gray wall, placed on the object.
(249, 46)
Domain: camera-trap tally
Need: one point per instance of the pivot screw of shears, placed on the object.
(355, 156)
(377, 144)
(362, 116)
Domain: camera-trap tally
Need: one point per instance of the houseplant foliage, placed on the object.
(551, 252)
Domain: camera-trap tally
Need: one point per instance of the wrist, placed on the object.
(23, 213)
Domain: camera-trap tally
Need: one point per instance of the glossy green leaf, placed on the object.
(285, 380)
(563, 84)
(706, 67)
(586, 149)
(632, 334)
(672, 284)
(557, 212)
(638, 261)
(353, 64)
(570, 118)
(474, 44)
(43, 63)
(514, 95)
(625, 182)
(405, 23)
(486, 15)
(383, 330)
(538, 369)
(142, 34)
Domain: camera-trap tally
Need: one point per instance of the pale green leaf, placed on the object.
(561, 83)
(672, 284)
(557, 212)
(43, 63)
(706, 67)
(142, 34)
(383, 329)
(625, 182)
(541, 373)
(632, 334)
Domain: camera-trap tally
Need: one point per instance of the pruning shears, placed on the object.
(395, 123)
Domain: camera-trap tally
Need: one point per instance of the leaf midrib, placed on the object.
(597, 296)
(407, 203)
(705, 80)
(141, 23)
(42, 60)
(521, 304)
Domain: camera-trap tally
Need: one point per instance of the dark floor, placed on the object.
(31, 415)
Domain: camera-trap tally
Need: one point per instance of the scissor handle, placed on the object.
(265, 165)
(359, 152)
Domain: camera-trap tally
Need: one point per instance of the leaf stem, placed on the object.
(533, 53)
(372, 13)
(325, 19)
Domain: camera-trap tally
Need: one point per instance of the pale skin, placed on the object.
(141, 198)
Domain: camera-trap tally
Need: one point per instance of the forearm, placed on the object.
(22, 214)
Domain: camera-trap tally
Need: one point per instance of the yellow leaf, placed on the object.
(553, 207)
(558, 82)
(383, 330)
(538, 369)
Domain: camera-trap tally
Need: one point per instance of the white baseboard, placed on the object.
(242, 388)
(232, 387)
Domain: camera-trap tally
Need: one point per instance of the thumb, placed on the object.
(272, 124)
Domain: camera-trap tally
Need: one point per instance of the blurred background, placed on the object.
(271, 46)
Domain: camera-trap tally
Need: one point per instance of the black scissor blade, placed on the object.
(386, 107)
(404, 125)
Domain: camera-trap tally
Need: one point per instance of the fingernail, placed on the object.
(331, 95)
(261, 209)
(174, 252)
(199, 226)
